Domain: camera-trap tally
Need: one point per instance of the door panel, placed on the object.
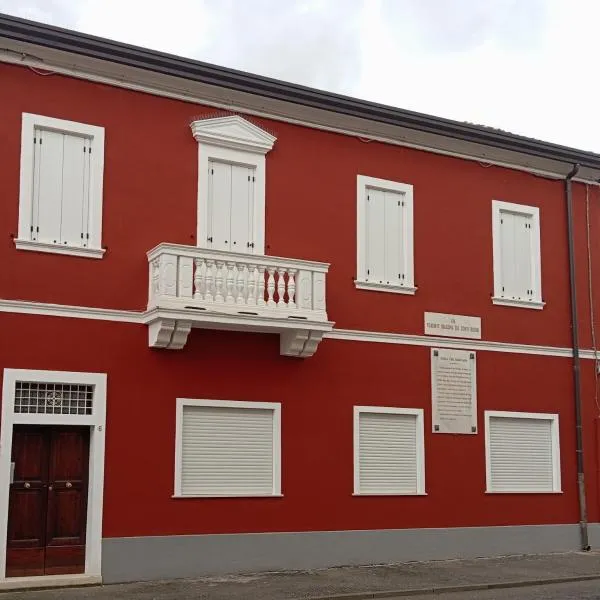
(67, 501)
(27, 503)
(48, 501)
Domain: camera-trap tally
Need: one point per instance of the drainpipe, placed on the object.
(583, 519)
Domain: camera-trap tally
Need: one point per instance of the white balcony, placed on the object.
(210, 289)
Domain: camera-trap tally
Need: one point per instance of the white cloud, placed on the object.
(527, 66)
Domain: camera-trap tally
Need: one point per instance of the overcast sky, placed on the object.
(527, 66)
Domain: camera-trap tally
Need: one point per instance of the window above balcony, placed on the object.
(231, 184)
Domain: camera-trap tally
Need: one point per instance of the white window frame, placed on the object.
(499, 206)
(420, 428)
(23, 241)
(232, 140)
(363, 184)
(556, 474)
(97, 424)
(273, 406)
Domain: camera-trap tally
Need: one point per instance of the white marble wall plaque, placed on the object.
(454, 391)
(452, 325)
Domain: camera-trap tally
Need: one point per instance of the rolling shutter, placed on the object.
(516, 251)
(387, 453)
(385, 237)
(227, 451)
(520, 455)
(61, 188)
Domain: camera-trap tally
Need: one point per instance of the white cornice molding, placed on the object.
(403, 339)
(233, 132)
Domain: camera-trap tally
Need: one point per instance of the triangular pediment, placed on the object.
(233, 132)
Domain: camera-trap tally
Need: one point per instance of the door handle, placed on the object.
(50, 488)
(27, 485)
(68, 484)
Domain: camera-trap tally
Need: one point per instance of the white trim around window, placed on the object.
(388, 483)
(220, 489)
(532, 296)
(527, 460)
(92, 248)
(398, 280)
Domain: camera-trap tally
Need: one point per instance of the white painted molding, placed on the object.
(384, 287)
(27, 307)
(233, 132)
(36, 246)
(533, 304)
(356, 335)
(299, 342)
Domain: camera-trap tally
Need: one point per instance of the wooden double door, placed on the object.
(48, 501)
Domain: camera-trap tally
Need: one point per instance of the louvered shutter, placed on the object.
(394, 238)
(387, 453)
(520, 455)
(219, 205)
(516, 255)
(61, 188)
(226, 451)
(242, 208)
(375, 241)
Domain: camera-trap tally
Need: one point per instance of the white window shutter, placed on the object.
(520, 454)
(375, 240)
(75, 191)
(394, 238)
(227, 451)
(47, 189)
(219, 205)
(387, 456)
(517, 255)
(242, 209)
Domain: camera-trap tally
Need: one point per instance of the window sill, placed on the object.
(36, 246)
(373, 494)
(534, 304)
(385, 287)
(184, 497)
(523, 492)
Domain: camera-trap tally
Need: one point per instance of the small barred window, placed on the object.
(53, 398)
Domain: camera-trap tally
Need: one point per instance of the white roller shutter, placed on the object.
(388, 452)
(521, 454)
(227, 451)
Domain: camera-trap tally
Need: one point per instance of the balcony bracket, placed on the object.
(168, 333)
(299, 342)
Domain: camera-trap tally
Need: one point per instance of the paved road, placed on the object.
(584, 590)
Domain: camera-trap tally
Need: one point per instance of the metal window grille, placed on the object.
(53, 398)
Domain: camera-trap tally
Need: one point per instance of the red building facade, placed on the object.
(149, 488)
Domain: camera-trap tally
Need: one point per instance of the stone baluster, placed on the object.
(229, 283)
(241, 283)
(219, 282)
(271, 287)
(209, 280)
(281, 287)
(252, 285)
(291, 287)
(199, 278)
(261, 286)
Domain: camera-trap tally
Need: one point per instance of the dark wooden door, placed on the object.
(48, 501)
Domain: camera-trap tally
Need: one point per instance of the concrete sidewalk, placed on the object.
(349, 583)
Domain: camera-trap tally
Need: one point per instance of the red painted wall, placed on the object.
(150, 190)
(317, 396)
(150, 194)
